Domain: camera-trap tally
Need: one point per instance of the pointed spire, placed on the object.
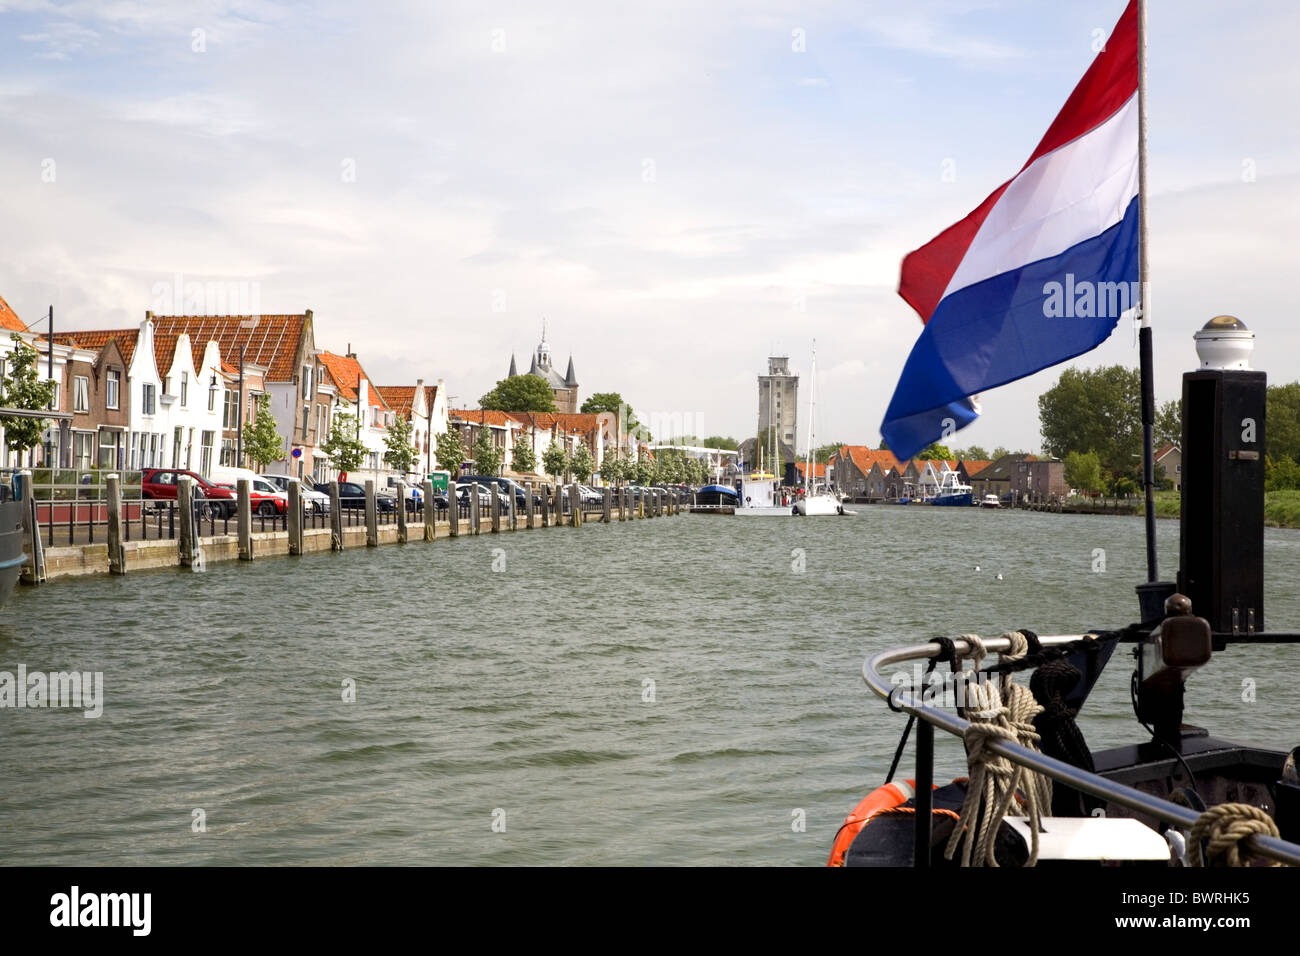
(513, 372)
(570, 379)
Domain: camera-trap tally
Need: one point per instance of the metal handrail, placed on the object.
(1058, 770)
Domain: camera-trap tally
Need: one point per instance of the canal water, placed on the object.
(679, 691)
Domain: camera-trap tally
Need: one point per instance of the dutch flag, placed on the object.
(1041, 271)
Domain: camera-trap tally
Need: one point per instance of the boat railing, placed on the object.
(929, 717)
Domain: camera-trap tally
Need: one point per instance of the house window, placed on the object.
(83, 450)
(114, 386)
(185, 389)
(231, 411)
(205, 457)
(81, 394)
(228, 451)
(176, 448)
(54, 402)
(110, 444)
(306, 420)
(320, 421)
(306, 381)
(147, 398)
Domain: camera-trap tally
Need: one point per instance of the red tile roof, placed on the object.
(863, 457)
(400, 398)
(346, 373)
(482, 416)
(569, 423)
(1164, 450)
(271, 341)
(819, 468)
(94, 340)
(9, 319)
(974, 466)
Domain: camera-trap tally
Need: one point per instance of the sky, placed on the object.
(678, 189)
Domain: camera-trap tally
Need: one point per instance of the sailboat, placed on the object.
(814, 502)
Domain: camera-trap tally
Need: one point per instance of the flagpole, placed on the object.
(1144, 332)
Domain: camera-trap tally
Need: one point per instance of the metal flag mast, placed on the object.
(1144, 331)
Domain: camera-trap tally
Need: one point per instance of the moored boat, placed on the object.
(990, 501)
(12, 557)
(952, 493)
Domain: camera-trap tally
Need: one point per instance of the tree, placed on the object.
(612, 402)
(1094, 410)
(522, 457)
(1169, 423)
(1283, 411)
(643, 471)
(935, 450)
(487, 457)
(450, 451)
(1083, 471)
(344, 448)
(999, 452)
(555, 460)
(24, 388)
(521, 393)
(262, 441)
(718, 441)
(1281, 474)
(581, 463)
(973, 453)
(614, 466)
(400, 454)
(822, 453)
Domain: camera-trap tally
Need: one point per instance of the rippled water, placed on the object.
(522, 690)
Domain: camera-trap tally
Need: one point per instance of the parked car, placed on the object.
(313, 500)
(160, 484)
(353, 495)
(264, 497)
(507, 486)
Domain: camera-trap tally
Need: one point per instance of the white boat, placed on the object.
(758, 497)
(814, 502)
(990, 501)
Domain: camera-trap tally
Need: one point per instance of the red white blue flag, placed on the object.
(1041, 271)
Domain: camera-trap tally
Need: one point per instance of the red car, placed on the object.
(264, 497)
(160, 483)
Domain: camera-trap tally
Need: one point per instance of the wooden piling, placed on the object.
(558, 504)
(294, 516)
(475, 509)
(244, 524)
(622, 504)
(453, 510)
(430, 510)
(401, 512)
(546, 508)
(336, 518)
(494, 499)
(514, 507)
(528, 504)
(575, 506)
(606, 505)
(116, 556)
(372, 515)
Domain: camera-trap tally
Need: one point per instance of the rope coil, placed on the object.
(1001, 710)
(1225, 825)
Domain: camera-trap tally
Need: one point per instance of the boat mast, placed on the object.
(812, 419)
(1145, 360)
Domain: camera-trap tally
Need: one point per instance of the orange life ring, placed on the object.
(883, 798)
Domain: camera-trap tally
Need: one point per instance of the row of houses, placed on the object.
(865, 474)
(175, 391)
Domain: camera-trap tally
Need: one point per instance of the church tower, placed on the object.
(563, 387)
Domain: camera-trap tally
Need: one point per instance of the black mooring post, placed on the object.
(1148, 445)
(924, 794)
